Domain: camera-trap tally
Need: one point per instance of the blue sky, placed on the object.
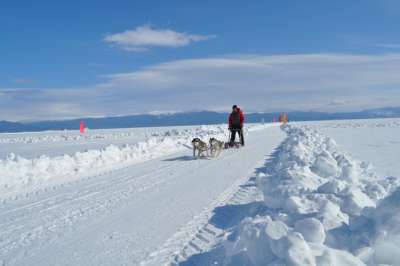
(63, 59)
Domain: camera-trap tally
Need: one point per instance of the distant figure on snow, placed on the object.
(236, 120)
(283, 118)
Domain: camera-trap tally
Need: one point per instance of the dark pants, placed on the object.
(233, 135)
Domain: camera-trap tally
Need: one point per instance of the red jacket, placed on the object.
(241, 117)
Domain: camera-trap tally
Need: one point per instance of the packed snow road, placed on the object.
(121, 215)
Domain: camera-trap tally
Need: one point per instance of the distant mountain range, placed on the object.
(188, 118)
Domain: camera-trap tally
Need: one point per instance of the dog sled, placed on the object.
(229, 145)
(202, 149)
(214, 147)
(233, 144)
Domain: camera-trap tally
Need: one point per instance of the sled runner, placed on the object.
(233, 144)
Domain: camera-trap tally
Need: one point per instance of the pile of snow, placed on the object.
(311, 175)
(379, 231)
(264, 241)
(20, 175)
(322, 209)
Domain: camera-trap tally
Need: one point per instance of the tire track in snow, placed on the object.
(158, 177)
(48, 198)
(9, 237)
(208, 235)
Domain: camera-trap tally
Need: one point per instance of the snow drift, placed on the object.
(323, 208)
(62, 136)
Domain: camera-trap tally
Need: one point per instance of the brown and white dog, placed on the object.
(200, 146)
(216, 146)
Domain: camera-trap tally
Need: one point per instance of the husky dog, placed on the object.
(200, 146)
(216, 146)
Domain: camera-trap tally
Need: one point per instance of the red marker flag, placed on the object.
(82, 127)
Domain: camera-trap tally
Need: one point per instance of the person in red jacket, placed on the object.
(236, 120)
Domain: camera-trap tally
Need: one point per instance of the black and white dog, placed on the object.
(216, 146)
(199, 146)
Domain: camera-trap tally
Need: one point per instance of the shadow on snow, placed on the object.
(185, 158)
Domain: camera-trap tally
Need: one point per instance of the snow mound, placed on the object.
(312, 230)
(311, 175)
(264, 241)
(381, 226)
(324, 208)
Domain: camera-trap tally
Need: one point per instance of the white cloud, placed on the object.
(323, 82)
(308, 81)
(144, 37)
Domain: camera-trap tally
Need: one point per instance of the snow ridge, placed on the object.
(311, 174)
(63, 137)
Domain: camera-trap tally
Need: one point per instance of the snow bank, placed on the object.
(20, 175)
(311, 175)
(381, 227)
(264, 241)
(322, 209)
(64, 136)
(99, 134)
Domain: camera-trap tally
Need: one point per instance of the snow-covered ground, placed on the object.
(318, 193)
